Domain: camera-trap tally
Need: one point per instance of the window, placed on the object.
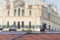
(48, 16)
(22, 24)
(30, 12)
(22, 12)
(7, 24)
(14, 24)
(8, 13)
(55, 28)
(29, 24)
(15, 12)
(18, 11)
(49, 27)
(18, 24)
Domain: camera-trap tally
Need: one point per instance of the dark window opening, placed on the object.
(22, 24)
(18, 24)
(49, 27)
(14, 24)
(14, 12)
(7, 24)
(18, 12)
(29, 24)
(30, 12)
(23, 12)
(8, 13)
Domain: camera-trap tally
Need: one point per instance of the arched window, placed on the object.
(49, 27)
(14, 24)
(23, 12)
(18, 11)
(29, 24)
(30, 12)
(23, 24)
(18, 24)
(15, 12)
(8, 24)
(8, 13)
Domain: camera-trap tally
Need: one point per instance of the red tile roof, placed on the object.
(7, 36)
(39, 37)
(30, 37)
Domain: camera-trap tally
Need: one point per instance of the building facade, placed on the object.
(19, 15)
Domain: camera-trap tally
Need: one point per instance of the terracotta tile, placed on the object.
(40, 37)
(31, 37)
